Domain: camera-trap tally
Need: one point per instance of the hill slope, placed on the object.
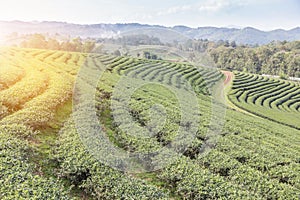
(252, 158)
(246, 35)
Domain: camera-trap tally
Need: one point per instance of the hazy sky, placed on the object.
(262, 14)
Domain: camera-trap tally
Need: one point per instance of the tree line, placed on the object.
(41, 42)
(276, 58)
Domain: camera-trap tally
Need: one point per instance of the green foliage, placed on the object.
(192, 181)
(283, 76)
(117, 53)
(3, 110)
(46, 86)
(273, 59)
(18, 178)
(96, 179)
(253, 157)
(39, 41)
(274, 99)
(149, 55)
(239, 167)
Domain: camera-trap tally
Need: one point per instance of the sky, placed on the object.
(261, 14)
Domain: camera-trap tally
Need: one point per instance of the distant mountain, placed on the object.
(246, 35)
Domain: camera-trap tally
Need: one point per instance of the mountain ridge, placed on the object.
(246, 35)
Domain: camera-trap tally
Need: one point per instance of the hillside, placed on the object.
(275, 99)
(246, 35)
(67, 118)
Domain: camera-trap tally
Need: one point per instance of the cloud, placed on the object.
(205, 6)
(138, 17)
(175, 9)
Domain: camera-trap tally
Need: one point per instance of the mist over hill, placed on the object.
(246, 35)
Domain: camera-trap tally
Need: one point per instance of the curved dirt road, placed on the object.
(227, 82)
(229, 77)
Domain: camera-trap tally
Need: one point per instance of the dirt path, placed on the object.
(229, 76)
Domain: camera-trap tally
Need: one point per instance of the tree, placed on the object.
(192, 56)
(233, 44)
(53, 44)
(77, 44)
(68, 46)
(226, 44)
(154, 57)
(88, 46)
(293, 66)
(147, 55)
(117, 52)
(24, 44)
(37, 41)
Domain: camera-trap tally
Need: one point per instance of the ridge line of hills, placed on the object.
(247, 35)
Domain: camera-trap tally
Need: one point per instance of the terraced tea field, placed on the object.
(44, 156)
(275, 99)
(31, 91)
